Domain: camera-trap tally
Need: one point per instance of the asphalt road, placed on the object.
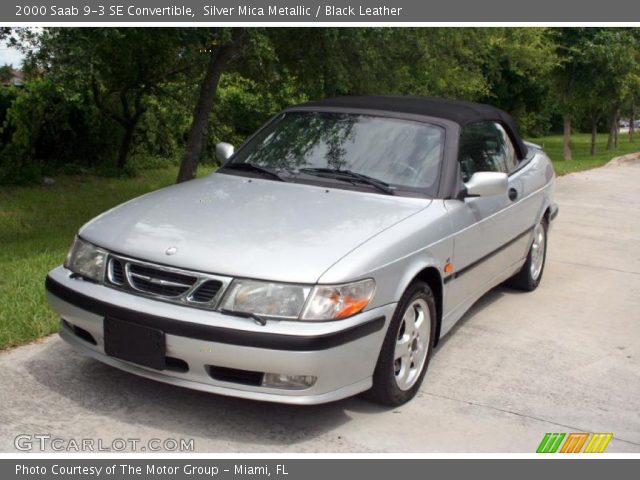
(565, 358)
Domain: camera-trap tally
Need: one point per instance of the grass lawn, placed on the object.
(582, 160)
(37, 224)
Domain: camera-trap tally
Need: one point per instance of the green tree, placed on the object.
(632, 101)
(619, 49)
(6, 73)
(221, 46)
(471, 63)
(570, 48)
(517, 65)
(332, 62)
(122, 68)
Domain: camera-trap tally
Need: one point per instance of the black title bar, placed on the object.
(315, 11)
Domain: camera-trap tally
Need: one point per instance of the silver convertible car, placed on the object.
(325, 258)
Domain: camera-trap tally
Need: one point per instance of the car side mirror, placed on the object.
(224, 151)
(486, 184)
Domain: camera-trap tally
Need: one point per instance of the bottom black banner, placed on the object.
(316, 468)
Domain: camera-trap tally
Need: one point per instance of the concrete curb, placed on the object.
(628, 159)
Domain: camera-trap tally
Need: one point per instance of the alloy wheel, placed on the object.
(537, 251)
(412, 344)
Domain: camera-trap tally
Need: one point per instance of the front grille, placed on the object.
(159, 282)
(165, 283)
(116, 271)
(206, 292)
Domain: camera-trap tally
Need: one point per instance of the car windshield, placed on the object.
(391, 152)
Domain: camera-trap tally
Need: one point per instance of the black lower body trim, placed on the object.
(474, 264)
(553, 212)
(215, 334)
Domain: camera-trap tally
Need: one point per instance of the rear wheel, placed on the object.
(406, 349)
(528, 278)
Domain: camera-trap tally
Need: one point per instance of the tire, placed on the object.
(397, 380)
(529, 276)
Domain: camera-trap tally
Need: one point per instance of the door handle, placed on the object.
(513, 194)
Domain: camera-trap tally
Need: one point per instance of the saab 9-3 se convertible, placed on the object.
(326, 256)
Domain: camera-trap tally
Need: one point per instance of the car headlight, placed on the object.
(282, 300)
(333, 302)
(86, 260)
(267, 299)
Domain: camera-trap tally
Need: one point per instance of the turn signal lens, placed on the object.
(333, 302)
(351, 307)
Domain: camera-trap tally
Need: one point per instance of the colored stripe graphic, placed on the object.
(598, 442)
(550, 443)
(574, 443)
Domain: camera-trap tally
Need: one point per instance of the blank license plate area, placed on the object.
(134, 343)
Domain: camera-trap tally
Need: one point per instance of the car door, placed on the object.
(489, 237)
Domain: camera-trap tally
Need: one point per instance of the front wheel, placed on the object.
(406, 349)
(528, 278)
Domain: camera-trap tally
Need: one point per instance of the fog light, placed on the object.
(292, 382)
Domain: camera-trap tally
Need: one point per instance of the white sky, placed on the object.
(10, 55)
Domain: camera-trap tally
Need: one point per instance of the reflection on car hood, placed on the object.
(248, 227)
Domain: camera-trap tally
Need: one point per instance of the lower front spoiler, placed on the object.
(344, 392)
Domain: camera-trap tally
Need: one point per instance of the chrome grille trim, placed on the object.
(157, 281)
(153, 279)
(193, 295)
(115, 275)
(186, 297)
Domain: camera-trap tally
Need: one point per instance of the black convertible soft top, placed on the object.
(460, 112)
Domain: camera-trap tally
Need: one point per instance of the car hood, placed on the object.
(248, 227)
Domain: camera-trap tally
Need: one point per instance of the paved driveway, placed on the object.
(564, 358)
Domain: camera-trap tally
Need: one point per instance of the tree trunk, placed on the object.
(125, 145)
(202, 111)
(613, 126)
(594, 134)
(566, 142)
(616, 132)
(632, 129)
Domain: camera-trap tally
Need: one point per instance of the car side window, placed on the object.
(485, 147)
(508, 150)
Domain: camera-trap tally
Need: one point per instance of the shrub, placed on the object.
(16, 167)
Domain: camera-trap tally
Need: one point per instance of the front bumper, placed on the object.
(341, 354)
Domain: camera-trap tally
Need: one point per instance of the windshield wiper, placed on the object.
(257, 318)
(350, 176)
(251, 167)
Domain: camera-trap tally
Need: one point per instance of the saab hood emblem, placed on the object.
(171, 251)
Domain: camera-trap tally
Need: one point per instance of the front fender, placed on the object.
(396, 256)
